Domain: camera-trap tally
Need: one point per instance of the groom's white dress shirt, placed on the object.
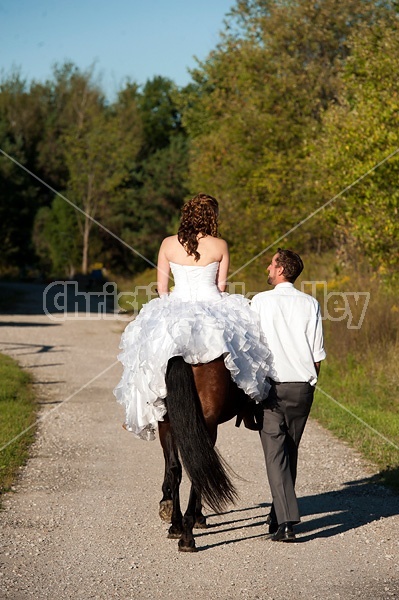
(291, 323)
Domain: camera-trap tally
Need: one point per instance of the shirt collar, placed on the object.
(284, 284)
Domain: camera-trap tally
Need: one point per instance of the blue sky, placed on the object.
(134, 39)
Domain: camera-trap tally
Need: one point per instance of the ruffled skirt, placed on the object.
(197, 331)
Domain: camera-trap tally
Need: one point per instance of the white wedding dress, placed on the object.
(199, 323)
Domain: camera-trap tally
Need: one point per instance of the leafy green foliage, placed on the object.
(57, 239)
(21, 120)
(256, 104)
(160, 117)
(296, 101)
(359, 133)
(146, 204)
(123, 165)
(97, 150)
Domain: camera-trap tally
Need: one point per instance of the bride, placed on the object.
(197, 320)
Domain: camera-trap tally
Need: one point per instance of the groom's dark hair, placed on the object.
(291, 262)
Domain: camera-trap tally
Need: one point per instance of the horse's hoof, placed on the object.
(174, 533)
(165, 510)
(201, 524)
(190, 548)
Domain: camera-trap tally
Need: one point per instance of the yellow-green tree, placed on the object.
(99, 148)
(361, 131)
(255, 105)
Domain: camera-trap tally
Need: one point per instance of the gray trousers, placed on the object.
(286, 411)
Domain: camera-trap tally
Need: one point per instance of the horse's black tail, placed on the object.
(205, 467)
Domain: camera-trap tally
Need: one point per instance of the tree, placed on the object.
(359, 132)
(98, 152)
(159, 114)
(255, 104)
(122, 166)
(56, 239)
(149, 200)
(21, 123)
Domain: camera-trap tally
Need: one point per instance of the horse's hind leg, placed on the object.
(169, 506)
(186, 542)
(165, 505)
(200, 519)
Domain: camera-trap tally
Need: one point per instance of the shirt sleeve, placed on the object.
(318, 347)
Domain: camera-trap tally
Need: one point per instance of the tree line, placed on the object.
(120, 164)
(297, 102)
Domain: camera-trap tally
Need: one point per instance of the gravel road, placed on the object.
(82, 521)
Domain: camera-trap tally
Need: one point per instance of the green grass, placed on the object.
(18, 413)
(368, 406)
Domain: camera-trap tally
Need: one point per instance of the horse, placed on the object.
(199, 398)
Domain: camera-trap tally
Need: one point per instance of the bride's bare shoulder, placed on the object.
(221, 243)
(169, 241)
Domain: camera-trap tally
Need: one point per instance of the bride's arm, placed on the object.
(163, 270)
(223, 268)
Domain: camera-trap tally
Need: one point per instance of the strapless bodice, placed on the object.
(195, 283)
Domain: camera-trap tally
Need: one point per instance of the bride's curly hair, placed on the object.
(199, 216)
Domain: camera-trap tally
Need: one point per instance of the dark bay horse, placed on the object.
(199, 398)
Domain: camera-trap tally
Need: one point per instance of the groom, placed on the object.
(291, 323)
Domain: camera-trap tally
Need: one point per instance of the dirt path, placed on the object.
(82, 522)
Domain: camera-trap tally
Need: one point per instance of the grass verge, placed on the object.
(367, 407)
(361, 373)
(18, 412)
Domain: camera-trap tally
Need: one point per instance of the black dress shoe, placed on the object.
(284, 533)
(272, 522)
(273, 527)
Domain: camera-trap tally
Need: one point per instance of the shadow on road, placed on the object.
(329, 514)
(359, 503)
(30, 348)
(56, 299)
(27, 324)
